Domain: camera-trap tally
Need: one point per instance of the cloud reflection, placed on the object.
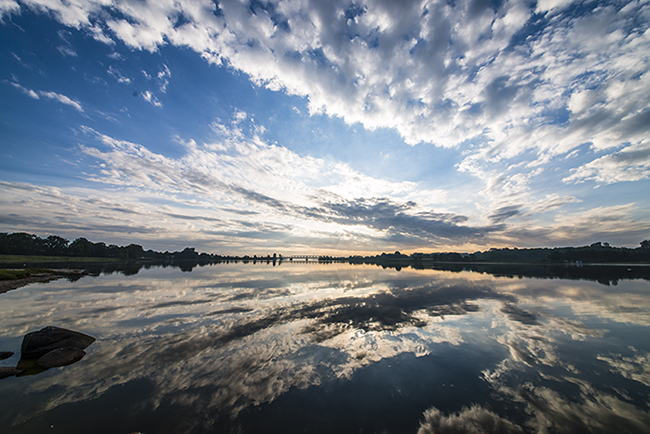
(474, 420)
(229, 338)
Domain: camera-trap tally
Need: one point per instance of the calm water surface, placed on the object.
(333, 348)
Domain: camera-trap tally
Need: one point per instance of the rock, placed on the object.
(28, 367)
(5, 354)
(37, 344)
(60, 357)
(8, 371)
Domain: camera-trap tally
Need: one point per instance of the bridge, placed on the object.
(288, 258)
(299, 257)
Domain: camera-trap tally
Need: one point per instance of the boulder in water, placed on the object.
(5, 354)
(8, 371)
(60, 357)
(39, 343)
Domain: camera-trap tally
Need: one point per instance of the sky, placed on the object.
(326, 127)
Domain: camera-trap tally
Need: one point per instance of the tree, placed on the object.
(56, 246)
(80, 247)
(188, 253)
(135, 251)
(21, 243)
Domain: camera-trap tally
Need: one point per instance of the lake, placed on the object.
(336, 348)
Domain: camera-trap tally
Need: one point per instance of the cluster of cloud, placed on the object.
(260, 182)
(240, 192)
(500, 78)
(516, 86)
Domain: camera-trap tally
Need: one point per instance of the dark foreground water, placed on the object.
(334, 348)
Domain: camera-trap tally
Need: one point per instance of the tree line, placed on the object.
(21, 243)
(595, 253)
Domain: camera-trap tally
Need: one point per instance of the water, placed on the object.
(327, 348)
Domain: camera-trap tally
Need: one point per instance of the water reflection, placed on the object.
(335, 347)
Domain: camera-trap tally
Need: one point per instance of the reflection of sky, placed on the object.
(229, 344)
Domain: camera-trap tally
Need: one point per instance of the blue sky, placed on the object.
(331, 126)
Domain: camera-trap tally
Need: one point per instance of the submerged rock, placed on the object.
(60, 357)
(5, 354)
(28, 367)
(39, 343)
(8, 371)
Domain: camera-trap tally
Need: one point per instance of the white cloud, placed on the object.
(8, 7)
(151, 98)
(66, 51)
(117, 74)
(245, 162)
(435, 72)
(632, 163)
(547, 5)
(517, 87)
(28, 92)
(49, 95)
(237, 190)
(62, 99)
(240, 188)
(163, 78)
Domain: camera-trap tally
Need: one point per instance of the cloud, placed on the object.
(621, 222)
(238, 189)
(237, 335)
(632, 163)
(509, 75)
(49, 95)
(474, 420)
(242, 186)
(28, 92)
(117, 74)
(62, 99)
(504, 213)
(521, 89)
(163, 78)
(591, 411)
(289, 189)
(248, 336)
(401, 218)
(635, 367)
(7, 8)
(151, 98)
(66, 51)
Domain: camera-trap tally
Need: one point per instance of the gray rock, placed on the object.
(5, 354)
(37, 344)
(60, 357)
(8, 371)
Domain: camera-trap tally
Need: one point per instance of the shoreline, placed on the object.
(8, 285)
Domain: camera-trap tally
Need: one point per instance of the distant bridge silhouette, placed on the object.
(299, 257)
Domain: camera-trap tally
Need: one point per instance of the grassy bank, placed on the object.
(23, 274)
